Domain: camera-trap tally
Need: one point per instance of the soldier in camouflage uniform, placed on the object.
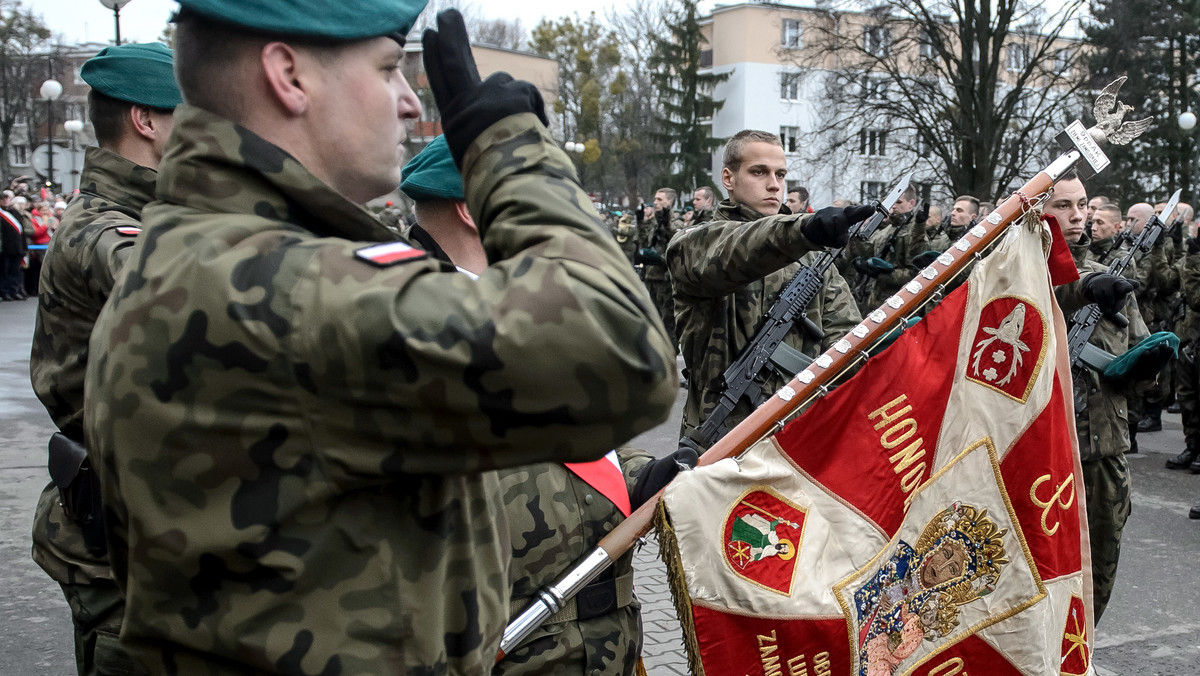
(626, 234)
(1101, 412)
(884, 262)
(296, 413)
(1158, 281)
(130, 104)
(730, 271)
(655, 234)
(556, 515)
(704, 200)
(1188, 329)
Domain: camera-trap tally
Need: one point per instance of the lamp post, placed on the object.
(74, 128)
(115, 6)
(51, 90)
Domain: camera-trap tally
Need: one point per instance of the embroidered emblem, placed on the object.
(384, 255)
(1075, 657)
(762, 535)
(915, 594)
(1009, 346)
(1056, 500)
(129, 230)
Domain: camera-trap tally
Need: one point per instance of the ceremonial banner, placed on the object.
(926, 517)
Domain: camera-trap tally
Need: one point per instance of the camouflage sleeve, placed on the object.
(553, 354)
(632, 461)
(718, 258)
(109, 255)
(1138, 331)
(1189, 279)
(839, 312)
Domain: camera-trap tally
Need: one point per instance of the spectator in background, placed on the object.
(12, 250)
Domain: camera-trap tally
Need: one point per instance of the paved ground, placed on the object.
(1151, 628)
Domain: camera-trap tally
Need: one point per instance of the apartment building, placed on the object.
(780, 65)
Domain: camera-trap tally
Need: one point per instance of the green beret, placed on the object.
(432, 174)
(140, 74)
(1144, 360)
(331, 19)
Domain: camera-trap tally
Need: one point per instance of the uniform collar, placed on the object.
(215, 165)
(1079, 250)
(112, 177)
(729, 210)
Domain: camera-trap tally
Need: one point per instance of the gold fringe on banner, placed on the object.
(668, 549)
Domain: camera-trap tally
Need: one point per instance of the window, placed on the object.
(921, 145)
(792, 33)
(925, 46)
(20, 154)
(877, 40)
(789, 86)
(872, 142)
(791, 139)
(875, 88)
(1062, 62)
(1016, 57)
(872, 191)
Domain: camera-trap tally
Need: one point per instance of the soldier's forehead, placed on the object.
(1071, 190)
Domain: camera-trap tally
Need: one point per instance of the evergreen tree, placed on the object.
(686, 97)
(1155, 43)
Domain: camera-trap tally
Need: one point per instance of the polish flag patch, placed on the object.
(129, 230)
(391, 253)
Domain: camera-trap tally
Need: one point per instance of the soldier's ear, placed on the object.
(727, 178)
(284, 69)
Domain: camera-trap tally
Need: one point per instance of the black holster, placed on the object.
(78, 489)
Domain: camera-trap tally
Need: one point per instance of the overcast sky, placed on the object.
(143, 20)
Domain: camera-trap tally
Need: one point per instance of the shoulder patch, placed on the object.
(129, 230)
(391, 253)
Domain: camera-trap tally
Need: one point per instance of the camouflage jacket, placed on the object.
(1188, 326)
(1159, 284)
(292, 431)
(726, 274)
(93, 241)
(1101, 410)
(655, 236)
(909, 241)
(555, 519)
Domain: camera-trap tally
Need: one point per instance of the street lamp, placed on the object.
(74, 128)
(115, 6)
(1187, 120)
(51, 90)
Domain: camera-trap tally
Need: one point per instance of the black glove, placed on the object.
(1106, 290)
(830, 226)
(468, 107)
(923, 213)
(925, 259)
(664, 217)
(1150, 362)
(658, 473)
(1193, 245)
(863, 268)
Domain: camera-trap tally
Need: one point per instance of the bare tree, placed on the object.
(969, 90)
(636, 109)
(501, 33)
(22, 35)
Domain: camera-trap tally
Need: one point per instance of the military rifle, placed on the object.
(1084, 321)
(808, 385)
(864, 280)
(744, 378)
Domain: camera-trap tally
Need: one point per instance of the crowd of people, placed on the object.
(30, 218)
(318, 439)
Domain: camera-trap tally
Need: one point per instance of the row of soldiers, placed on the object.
(724, 275)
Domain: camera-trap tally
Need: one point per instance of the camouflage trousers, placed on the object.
(664, 302)
(97, 605)
(1106, 482)
(1187, 392)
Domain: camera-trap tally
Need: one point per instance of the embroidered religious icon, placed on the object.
(915, 595)
(763, 532)
(1009, 346)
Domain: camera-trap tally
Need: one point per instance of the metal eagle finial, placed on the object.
(1110, 113)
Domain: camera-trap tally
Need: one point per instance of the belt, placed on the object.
(598, 598)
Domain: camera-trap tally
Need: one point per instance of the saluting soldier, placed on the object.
(130, 104)
(884, 262)
(1101, 408)
(654, 235)
(557, 513)
(728, 272)
(295, 412)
